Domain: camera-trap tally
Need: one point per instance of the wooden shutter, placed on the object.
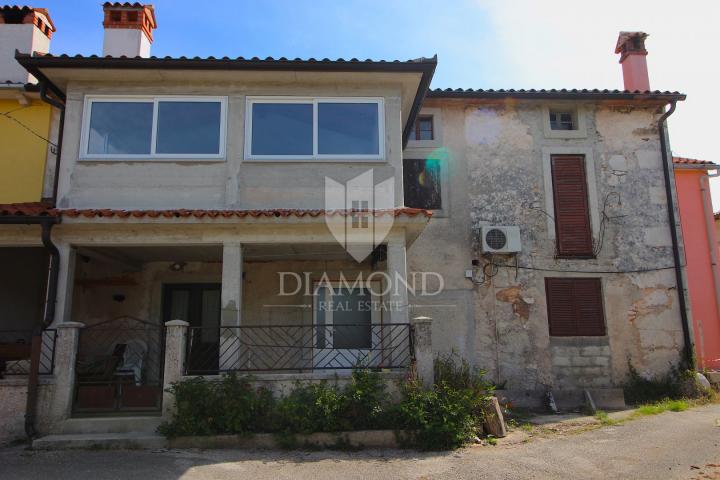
(572, 218)
(575, 307)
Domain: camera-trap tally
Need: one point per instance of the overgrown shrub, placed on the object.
(451, 412)
(675, 384)
(442, 417)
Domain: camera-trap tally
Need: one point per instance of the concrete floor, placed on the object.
(682, 445)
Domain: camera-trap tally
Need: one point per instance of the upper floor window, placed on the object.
(422, 183)
(572, 211)
(423, 128)
(563, 120)
(291, 128)
(154, 127)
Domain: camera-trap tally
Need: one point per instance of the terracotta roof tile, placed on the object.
(545, 93)
(692, 161)
(44, 209)
(29, 209)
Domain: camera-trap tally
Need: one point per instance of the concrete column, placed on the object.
(66, 281)
(66, 348)
(397, 273)
(175, 334)
(422, 344)
(231, 301)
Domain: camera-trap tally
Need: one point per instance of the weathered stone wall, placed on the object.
(497, 160)
(13, 398)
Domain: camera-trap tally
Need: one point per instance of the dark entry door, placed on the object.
(199, 305)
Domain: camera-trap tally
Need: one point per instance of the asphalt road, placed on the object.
(671, 445)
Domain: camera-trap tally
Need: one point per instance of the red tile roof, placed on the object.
(30, 209)
(692, 161)
(43, 209)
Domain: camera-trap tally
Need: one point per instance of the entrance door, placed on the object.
(344, 322)
(199, 305)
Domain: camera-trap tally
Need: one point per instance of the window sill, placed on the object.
(565, 134)
(575, 257)
(314, 160)
(173, 159)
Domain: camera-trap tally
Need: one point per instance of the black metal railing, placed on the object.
(16, 351)
(298, 348)
(119, 366)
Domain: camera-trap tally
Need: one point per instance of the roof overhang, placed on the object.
(614, 96)
(414, 76)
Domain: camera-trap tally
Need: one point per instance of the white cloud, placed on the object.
(558, 43)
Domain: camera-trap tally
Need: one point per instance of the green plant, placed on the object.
(675, 384)
(663, 406)
(448, 414)
(604, 418)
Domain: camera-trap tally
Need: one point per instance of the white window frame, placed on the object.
(578, 112)
(155, 100)
(315, 157)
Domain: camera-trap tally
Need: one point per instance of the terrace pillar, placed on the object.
(66, 281)
(66, 349)
(397, 275)
(231, 301)
(175, 335)
(423, 352)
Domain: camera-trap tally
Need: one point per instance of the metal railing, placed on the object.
(297, 348)
(16, 350)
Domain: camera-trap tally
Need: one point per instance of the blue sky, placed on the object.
(479, 43)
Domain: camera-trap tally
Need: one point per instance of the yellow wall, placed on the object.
(22, 154)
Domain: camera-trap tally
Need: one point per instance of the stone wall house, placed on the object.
(293, 218)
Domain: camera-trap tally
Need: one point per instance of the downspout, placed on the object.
(61, 125)
(52, 280)
(682, 302)
(709, 227)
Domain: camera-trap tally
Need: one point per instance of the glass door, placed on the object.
(199, 305)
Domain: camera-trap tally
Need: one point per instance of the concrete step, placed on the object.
(100, 441)
(138, 424)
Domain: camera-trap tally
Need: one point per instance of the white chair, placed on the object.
(133, 359)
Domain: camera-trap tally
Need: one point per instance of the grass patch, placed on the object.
(604, 418)
(663, 406)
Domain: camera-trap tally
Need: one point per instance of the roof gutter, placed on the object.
(689, 358)
(60, 105)
(555, 95)
(422, 91)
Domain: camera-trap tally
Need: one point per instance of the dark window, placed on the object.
(421, 180)
(423, 128)
(575, 307)
(562, 120)
(572, 218)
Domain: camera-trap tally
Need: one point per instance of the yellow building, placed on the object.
(25, 120)
(24, 128)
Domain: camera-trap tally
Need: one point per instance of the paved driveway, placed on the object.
(671, 445)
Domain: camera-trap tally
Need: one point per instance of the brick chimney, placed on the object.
(26, 29)
(128, 29)
(631, 47)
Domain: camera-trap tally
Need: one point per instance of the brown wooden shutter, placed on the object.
(575, 307)
(572, 218)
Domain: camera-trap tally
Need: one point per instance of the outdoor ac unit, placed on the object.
(497, 239)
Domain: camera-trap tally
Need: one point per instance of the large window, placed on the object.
(572, 215)
(291, 128)
(154, 127)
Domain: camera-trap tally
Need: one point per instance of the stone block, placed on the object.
(494, 421)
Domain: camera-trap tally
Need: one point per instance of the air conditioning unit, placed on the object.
(497, 239)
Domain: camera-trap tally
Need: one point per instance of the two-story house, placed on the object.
(291, 217)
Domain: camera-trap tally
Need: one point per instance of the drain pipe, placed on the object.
(709, 228)
(46, 223)
(689, 358)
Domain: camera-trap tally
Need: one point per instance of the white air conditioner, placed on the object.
(497, 239)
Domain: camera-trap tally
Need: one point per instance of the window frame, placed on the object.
(316, 156)
(553, 327)
(416, 131)
(578, 111)
(152, 156)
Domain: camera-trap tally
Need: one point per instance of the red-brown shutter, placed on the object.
(575, 307)
(561, 308)
(572, 219)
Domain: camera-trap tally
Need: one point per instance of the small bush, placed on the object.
(451, 412)
(675, 384)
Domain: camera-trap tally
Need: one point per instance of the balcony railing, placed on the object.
(16, 351)
(297, 348)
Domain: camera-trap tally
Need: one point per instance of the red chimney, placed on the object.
(631, 47)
